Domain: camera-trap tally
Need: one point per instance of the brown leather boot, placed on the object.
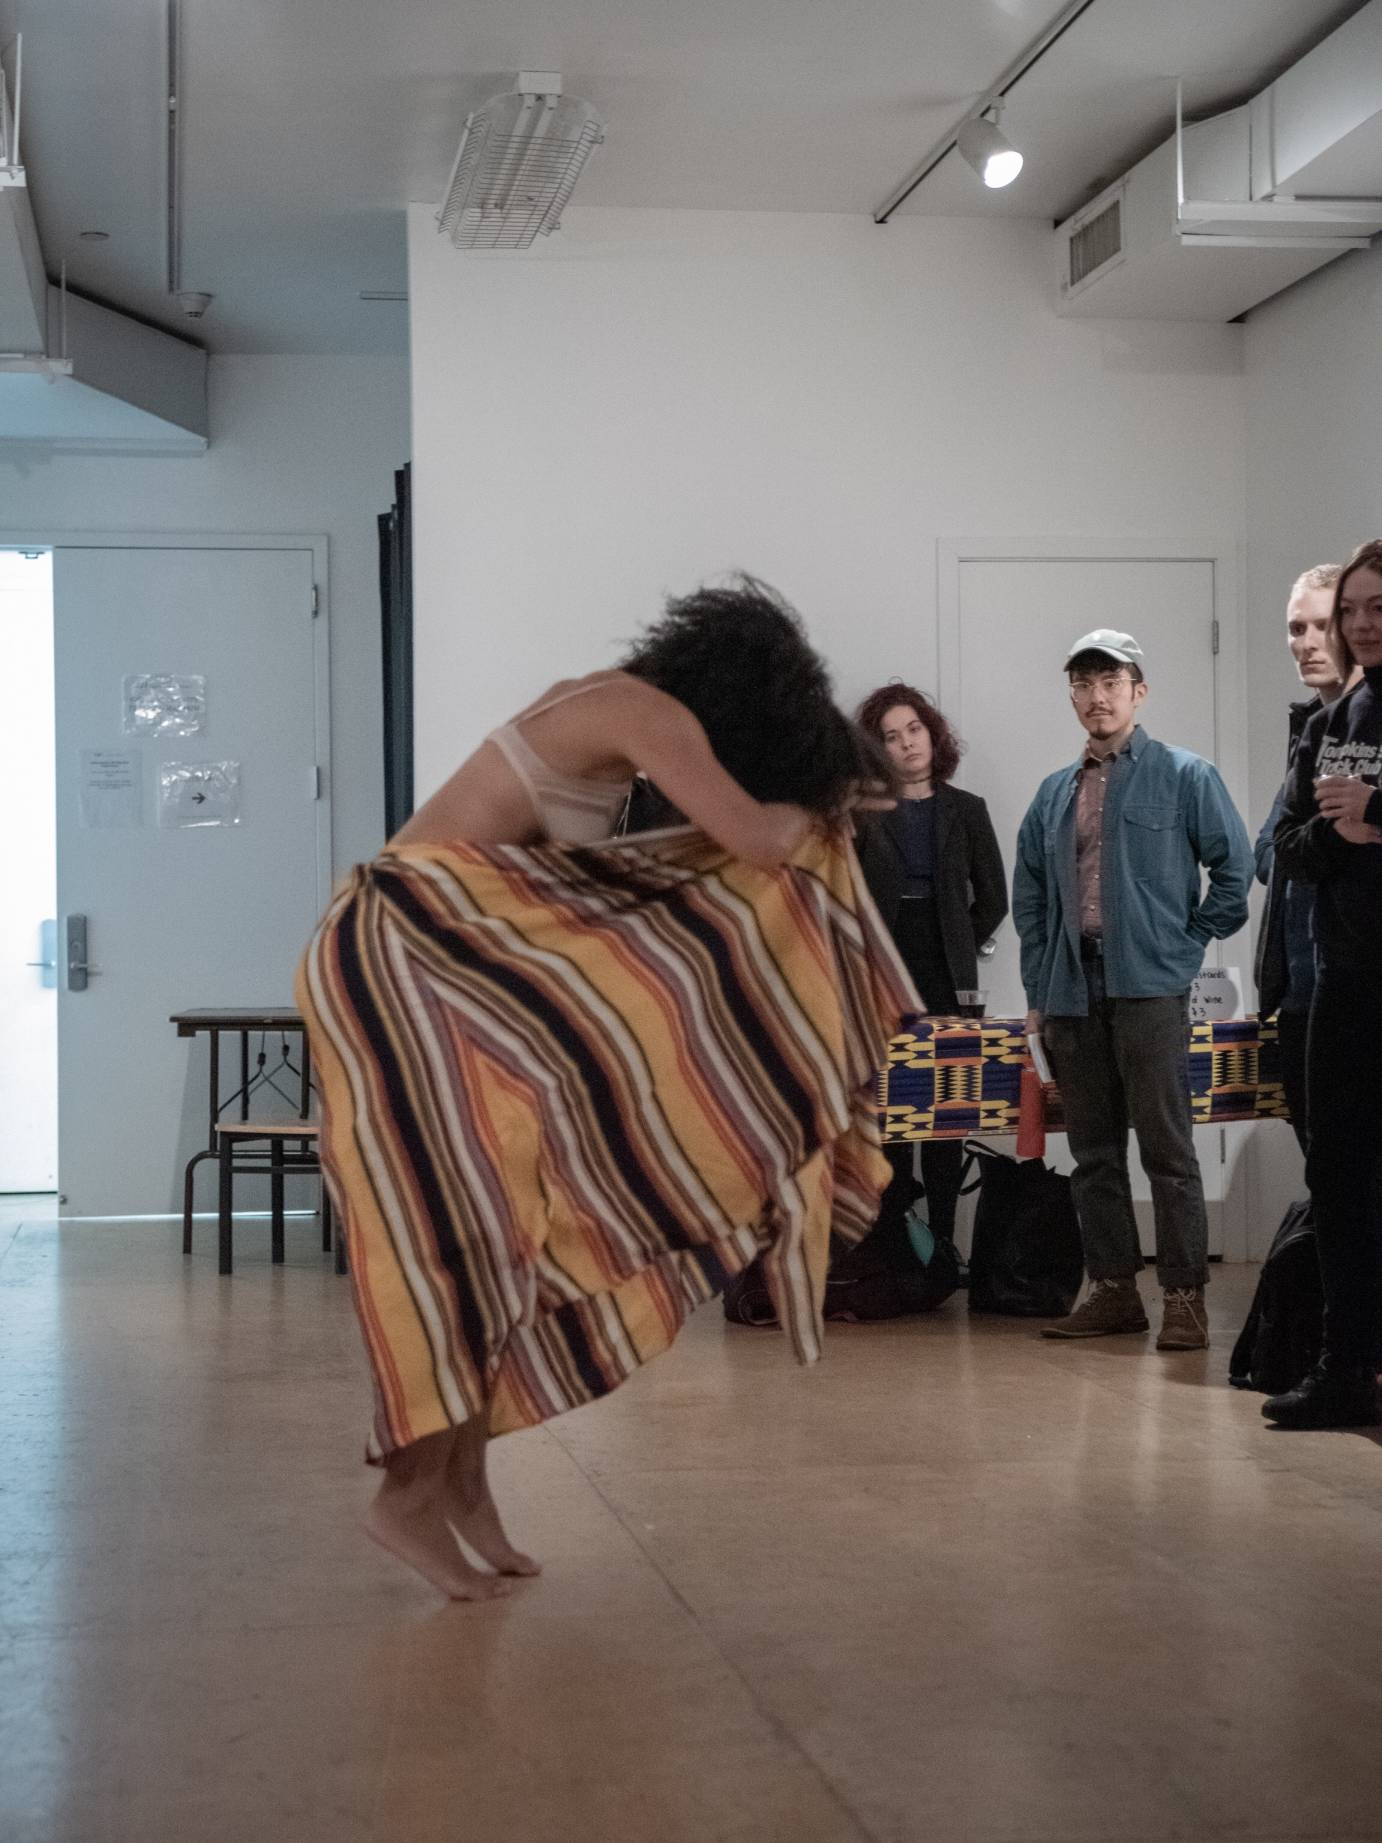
(1109, 1307)
(1184, 1324)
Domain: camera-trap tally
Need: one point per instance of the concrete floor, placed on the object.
(956, 1583)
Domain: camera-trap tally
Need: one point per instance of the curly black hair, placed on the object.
(739, 660)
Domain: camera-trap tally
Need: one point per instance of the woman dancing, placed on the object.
(572, 1086)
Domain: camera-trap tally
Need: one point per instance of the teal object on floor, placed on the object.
(922, 1240)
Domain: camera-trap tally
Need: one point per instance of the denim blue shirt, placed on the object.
(1167, 813)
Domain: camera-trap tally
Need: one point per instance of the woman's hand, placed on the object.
(869, 797)
(1343, 796)
(781, 829)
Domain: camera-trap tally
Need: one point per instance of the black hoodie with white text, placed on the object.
(1345, 738)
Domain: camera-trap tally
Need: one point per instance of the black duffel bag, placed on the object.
(1026, 1259)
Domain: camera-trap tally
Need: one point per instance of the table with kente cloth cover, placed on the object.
(954, 1078)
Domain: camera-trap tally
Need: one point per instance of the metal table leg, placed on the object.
(276, 1200)
(223, 1213)
(210, 1149)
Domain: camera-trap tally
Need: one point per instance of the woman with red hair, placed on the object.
(934, 869)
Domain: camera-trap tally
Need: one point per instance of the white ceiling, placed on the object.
(309, 124)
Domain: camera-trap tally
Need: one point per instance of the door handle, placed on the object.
(79, 970)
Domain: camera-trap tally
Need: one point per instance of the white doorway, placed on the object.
(28, 845)
(1008, 613)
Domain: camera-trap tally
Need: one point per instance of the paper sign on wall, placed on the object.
(110, 789)
(1217, 992)
(164, 704)
(199, 794)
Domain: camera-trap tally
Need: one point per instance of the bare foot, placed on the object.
(470, 1509)
(420, 1537)
(479, 1527)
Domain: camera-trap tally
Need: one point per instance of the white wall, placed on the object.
(298, 444)
(1314, 490)
(1314, 467)
(654, 397)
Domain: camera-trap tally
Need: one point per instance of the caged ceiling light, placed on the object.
(519, 158)
(991, 154)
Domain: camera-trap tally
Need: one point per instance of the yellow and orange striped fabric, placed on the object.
(568, 1092)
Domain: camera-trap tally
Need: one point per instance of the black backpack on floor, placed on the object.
(1026, 1260)
(897, 1270)
(891, 1276)
(1280, 1342)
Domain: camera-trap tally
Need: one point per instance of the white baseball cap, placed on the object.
(1104, 640)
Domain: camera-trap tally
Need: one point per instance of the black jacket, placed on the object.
(1272, 969)
(971, 886)
(1344, 739)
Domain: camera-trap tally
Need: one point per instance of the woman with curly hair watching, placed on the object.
(936, 873)
(572, 1086)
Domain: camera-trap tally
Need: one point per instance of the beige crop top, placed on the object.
(571, 809)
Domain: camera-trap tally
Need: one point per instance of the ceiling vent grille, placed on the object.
(1095, 243)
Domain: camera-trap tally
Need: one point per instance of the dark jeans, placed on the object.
(1127, 1063)
(1292, 1028)
(918, 937)
(1344, 1164)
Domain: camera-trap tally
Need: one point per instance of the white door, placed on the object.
(178, 915)
(1006, 631)
(28, 1000)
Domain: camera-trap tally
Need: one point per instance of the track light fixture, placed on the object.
(996, 161)
(991, 154)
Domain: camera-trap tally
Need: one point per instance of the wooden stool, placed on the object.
(232, 1137)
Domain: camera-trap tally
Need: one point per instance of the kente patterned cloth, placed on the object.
(569, 1092)
(950, 1078)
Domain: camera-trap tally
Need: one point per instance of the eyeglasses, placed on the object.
(1110, 683)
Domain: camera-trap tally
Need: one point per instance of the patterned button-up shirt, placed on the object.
(1089, 838)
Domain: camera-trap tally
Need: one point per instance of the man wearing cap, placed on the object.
(1113, 921)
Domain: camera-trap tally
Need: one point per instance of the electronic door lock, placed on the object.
(79, 969)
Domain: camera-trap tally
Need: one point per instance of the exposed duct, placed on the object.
(74, 375)
(1231, 210)
(122, 388)
(23, 286)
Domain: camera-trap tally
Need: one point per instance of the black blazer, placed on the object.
(971, 886)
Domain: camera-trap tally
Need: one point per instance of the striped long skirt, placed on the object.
(568, 1092)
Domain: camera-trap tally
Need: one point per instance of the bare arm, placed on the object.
(614, 726)
(662, 739)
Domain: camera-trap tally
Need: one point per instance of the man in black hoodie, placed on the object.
(1330, 834)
